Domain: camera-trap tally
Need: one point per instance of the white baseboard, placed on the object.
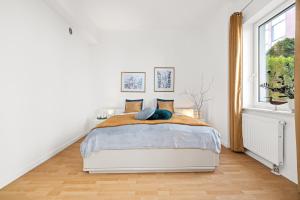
(225, 144)
(268, 164)
(39, 161)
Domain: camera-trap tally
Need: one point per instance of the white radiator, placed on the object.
(264, 137)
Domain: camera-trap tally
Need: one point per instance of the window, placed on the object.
(276, 56)
(278, 28)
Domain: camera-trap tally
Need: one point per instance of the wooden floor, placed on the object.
(237, 178)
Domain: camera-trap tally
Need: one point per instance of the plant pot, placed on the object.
(291, 104)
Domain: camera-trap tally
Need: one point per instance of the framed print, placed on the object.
(133, 81)
(164, 78)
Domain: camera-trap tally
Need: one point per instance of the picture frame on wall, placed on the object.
(133, 81)
(164, 79)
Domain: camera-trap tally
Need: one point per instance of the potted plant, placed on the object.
(284, 91)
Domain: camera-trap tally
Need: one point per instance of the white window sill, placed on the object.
(268, 111)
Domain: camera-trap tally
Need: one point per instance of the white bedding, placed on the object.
(145, 136)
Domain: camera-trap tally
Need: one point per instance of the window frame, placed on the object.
(255, 91)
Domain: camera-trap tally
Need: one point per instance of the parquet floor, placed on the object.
(237, 178)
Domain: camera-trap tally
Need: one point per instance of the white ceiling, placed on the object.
(148, 14)
(144, 14)
(91, 17)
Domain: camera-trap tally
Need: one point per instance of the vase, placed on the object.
(197, 114)
(291, 104)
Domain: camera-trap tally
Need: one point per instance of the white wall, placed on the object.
(192, 53)
(257, 10)
(45, 88)
(254, 7)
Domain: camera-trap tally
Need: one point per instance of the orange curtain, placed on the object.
(297, 87)
(235, 81)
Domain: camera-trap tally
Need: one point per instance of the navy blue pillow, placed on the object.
(161, 114)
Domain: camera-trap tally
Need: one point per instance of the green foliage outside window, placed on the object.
(280, 69)
(285, 48)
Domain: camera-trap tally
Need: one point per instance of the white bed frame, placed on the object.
(151, 160)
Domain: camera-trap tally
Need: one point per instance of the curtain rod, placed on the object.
(247, 5)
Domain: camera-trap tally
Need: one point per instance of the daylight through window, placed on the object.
(277, 56)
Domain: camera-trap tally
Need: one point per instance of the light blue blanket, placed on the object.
(145, 136)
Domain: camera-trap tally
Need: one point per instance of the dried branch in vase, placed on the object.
(199, 98)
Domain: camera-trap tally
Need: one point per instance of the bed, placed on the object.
(122, 144)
